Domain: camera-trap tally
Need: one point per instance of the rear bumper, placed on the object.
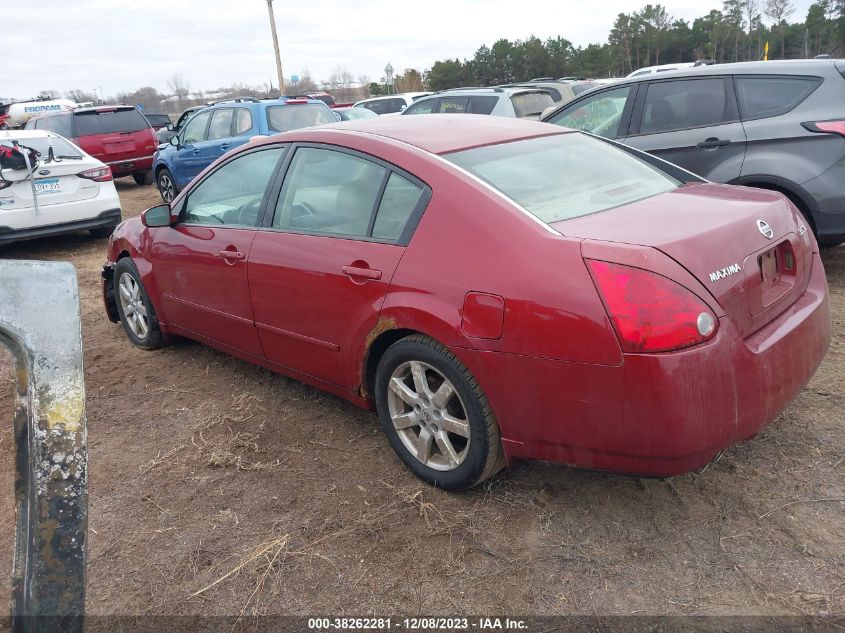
(828, 194)
(111, 217)
(658, 414)
(130, 166)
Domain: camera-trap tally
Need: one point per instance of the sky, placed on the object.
(114, 46)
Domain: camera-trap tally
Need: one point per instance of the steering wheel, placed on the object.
(302, 214)
(248, 213)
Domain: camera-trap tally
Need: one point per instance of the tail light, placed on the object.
(649, 312)
(98, 174)
(830, 127)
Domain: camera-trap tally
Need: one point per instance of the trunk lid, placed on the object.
(58, 185)
(114, 134)
(720, 234)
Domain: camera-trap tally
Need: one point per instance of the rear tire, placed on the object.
(166, 185)
(435, 415)
(143, 177)
(136, 311)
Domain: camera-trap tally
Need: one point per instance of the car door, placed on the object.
(200, 263)
(189, 159)
(604, 113)
(320, 269)
(692, 122)
(219, 136)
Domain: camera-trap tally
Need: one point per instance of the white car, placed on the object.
(653, 70)
(390, 104)
(74, 191)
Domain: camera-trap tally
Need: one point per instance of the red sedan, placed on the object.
(496, 289)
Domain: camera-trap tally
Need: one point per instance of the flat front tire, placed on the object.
(435, 415)
(136, 311)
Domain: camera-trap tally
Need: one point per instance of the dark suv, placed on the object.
(118, 135)
(776, 125)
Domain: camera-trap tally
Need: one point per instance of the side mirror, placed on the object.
(156, 216)
(174, 141)
(170, 127)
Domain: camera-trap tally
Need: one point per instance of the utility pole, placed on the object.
(276, 47)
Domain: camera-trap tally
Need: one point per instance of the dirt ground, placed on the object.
(217, 487)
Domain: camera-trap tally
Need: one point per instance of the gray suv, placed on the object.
(522, 102)
(776, 125)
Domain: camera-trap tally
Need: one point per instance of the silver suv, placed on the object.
(522, 102)
(776, 125)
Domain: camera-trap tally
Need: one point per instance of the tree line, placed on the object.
(651, 36)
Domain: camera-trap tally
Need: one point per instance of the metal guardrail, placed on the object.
(40, 324)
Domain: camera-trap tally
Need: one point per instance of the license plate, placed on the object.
(50, 185)
(769, 269)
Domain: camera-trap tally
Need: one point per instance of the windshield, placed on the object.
(564, 176)
(292, 117)
(61, 147)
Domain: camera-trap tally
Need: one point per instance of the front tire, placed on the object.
(166, 185)
(435, 415)
(136, 311)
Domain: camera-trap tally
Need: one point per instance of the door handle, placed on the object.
(232, 255)
(369, 273)
(195, 152)
(224, 147)
(713, 143)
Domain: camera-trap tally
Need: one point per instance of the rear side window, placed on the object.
(453, 105)
(109, 122)
(393, 105)
(772, 96)
(482, 105)
(293, 117)
(564, 176)
(531, 103)
(379, 107)
(60, 124)
(679, 105)
(400, 198)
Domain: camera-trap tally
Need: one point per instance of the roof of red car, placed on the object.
(444, 133)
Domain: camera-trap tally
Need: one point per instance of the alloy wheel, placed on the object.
(166, 187)
(132, 303)
(428, 415)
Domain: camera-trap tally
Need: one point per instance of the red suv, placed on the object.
(118, 135)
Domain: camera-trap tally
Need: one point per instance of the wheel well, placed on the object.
(374, 353)
(794, 198)
(158, 169)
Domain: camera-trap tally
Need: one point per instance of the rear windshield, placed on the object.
(293, 117)
(564, 176)
(109, 122)
(531, 103)
(61, 147)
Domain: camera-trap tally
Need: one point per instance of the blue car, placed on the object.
(225, 125)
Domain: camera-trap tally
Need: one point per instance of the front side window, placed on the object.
(680, 105)
(422, 107)
(379, 106)
(295, 116)
(232, 195)
(329, 192)
(564, 176)
(761, 97)
(195, 129)
(599, 114)
(221, 124)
